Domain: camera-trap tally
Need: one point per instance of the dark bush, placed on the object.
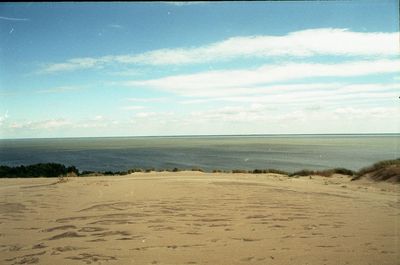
(239, 171)
(87, 172)
(133, 170)
(275, 171)
(50, 170)
(343, 171)
(303, 173)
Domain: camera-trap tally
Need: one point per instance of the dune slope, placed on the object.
(199, 218)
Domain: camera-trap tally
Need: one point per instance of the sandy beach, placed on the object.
(199, 218)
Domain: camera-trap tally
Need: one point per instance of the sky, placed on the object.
(196, 68)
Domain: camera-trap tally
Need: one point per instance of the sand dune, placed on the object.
(199, 218)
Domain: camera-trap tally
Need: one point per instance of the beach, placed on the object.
(199, 218)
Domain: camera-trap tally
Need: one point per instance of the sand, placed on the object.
(199, 218)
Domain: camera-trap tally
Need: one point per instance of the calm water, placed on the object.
(288, 153)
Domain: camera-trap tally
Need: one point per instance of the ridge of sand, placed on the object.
(199, 218)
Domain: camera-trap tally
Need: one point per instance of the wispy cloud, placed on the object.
(97, 121)
(133, 107)
(115, 26)
(42, 124)
(305, 43)
(147, 100)
(74, 64)
(14, 18)
(187, 3)
(304, 94)
(259, 115)
(229, 81)
(59, 89)
(338, 42)
(3, 118)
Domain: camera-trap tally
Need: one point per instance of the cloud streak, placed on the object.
(60, 89)
(305, 43)
(229, 81)
(13, 18)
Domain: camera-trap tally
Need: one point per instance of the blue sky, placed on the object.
(121, 69)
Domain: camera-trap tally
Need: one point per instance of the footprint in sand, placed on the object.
(27, 259)
(66, 235)
(63, 227)
(89, 258)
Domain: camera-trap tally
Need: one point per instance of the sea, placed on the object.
(284, 152)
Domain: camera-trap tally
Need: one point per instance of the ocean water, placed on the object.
(289, 153)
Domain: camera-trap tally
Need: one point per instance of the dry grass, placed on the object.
(324, 173)
(388, 170)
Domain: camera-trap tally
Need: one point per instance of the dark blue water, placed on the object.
(288, 153)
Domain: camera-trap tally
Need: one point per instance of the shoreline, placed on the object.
(386, 170)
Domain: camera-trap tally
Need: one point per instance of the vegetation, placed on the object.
(343, 171)
(269, 170)
(388, 170)
(324, 173)
(134, 170)
(49, 170)
(197, 169)
(383, 170)
(303, 173)
(239, 171)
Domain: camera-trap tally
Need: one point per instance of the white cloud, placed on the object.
(248, 113)
(115, 26)
(129, 72)
(310, 42)
(133, 107)
(184, 3)
(295, 93)
(59, 89)
(14, 18)
(324, 41)
(146, 100)
(146, 114)
(238, 81)
(97, 121)
(43, 124)
(3, 118)
(99, 118)
(261, 119)
(75, 64)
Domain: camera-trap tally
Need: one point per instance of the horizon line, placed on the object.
(206, 135)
